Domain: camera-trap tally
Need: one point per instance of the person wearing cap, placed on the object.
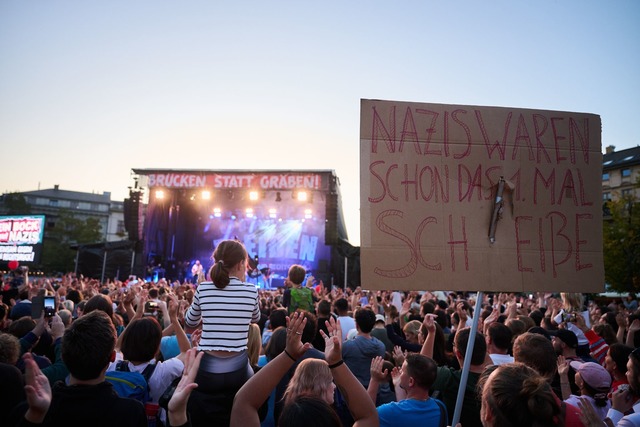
(380, 331)
(565, 343)
(593, 381)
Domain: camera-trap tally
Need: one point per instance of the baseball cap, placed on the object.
(540, 331)
(567, 336)
(593, 374)
(379, 318)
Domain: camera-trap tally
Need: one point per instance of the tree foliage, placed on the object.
(621, 239)
(57, 255)
(15, 204)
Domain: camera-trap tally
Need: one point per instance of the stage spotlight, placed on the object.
(248, 213)
(278, 198)
(206, 195)
(308, 214)
(193, 197)
(302, 196)
(253, 195)
(217, 212)
(159, 194)
(273, 213)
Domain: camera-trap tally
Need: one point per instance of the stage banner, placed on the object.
(474, 198)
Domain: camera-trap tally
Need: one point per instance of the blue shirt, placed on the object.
(411, 412)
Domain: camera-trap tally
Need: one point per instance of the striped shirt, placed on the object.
(225, 314)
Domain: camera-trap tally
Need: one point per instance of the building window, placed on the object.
(605, 176)
(626, 172)
(120, 227)
(606, 196)
(626, 192)
(64, 204)
(84, 206)
(53, 202)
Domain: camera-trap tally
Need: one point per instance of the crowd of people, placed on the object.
(223, 352)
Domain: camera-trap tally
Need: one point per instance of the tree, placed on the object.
(621, 239)
(15, 204)
(57, 255)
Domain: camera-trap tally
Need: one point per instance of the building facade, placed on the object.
(620, 172)
(51, 202)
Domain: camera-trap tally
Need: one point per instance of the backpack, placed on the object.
(301, 298)
(131, 384)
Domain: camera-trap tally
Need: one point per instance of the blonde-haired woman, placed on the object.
(254, 344)
(312, 378)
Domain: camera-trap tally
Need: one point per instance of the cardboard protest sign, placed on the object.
(480, 198)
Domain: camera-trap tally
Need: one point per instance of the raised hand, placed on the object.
(195, 337)
(377, 371)
(398, 355)
(429, 323)
(295, 326)
(563, 366)
(332, 341)
(37, 389)
(178, 404)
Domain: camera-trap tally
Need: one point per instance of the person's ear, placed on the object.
(113, 356)
(457, 353)
(486, 415)
(412, 382)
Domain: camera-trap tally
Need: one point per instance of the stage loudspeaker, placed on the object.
(133, 215)
(331, 220)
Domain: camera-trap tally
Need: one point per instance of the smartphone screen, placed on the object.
(49, 306)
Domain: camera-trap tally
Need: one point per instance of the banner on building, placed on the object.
(21, 238)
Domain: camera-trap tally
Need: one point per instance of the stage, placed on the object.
(282, 217)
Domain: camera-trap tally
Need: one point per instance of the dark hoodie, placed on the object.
(91, 405)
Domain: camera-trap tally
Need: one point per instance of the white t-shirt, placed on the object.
(347, 323)
(500, 359)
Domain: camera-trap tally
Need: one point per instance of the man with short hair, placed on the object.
(415, 407)
(88, 346)
(448, 379)
(624, 401)
(498, 340)
(360, 351)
